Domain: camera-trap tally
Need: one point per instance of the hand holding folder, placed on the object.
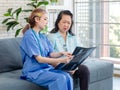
(80, 55)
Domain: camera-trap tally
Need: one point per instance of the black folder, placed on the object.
(80, 55)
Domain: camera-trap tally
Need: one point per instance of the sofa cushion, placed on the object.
(99, 70)
(17, 84)
(11, 74)
(10, 58)
(11, 81)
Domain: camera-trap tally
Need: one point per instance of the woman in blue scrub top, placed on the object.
(38, 56)
(63, 39)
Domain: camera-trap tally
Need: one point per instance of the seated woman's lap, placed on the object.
(48, 77)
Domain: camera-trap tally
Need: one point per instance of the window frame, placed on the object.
(100, 37)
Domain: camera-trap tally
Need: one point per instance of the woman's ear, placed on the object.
(37, 19)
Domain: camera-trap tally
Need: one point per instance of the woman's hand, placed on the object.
(72, 72)
(59, 54)
(66, 59)
(62, 60)
(66, 54)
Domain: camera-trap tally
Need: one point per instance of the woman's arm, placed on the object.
(59, 54)
(56, 54)
(53, 61)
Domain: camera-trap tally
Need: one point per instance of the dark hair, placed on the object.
(59, 17)
(31, 20)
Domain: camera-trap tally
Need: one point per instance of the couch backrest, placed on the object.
(10, 58)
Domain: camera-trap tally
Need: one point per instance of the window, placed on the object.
(97, 23)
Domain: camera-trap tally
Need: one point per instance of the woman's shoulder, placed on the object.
(28, 32)
(71, 36)
(52, 35)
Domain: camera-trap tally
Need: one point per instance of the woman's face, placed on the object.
(43, 21)
(65, 23)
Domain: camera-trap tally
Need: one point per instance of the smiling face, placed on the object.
(65, 23)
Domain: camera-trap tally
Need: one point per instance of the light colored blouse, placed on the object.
(59, 43)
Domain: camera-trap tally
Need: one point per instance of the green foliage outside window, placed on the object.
(114, 34)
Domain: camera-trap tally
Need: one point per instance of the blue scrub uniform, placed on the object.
(43, 74)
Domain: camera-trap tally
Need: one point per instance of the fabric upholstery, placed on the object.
(17, 84)
(10, 58)
(99, 70)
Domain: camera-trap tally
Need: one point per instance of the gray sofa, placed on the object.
(101, 72)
